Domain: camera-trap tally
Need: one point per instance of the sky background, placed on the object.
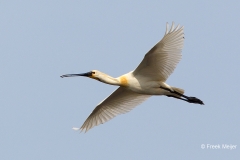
(41, 40)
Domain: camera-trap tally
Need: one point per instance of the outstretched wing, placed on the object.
(119, 102)
(162, 59)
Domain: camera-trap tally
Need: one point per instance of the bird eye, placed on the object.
(93, 72)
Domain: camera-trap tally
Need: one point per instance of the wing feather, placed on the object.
(120, 101)
(162, 59)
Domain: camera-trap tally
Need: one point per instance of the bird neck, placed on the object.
(110, 80)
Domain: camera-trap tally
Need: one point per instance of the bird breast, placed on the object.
(124, 81)
(140, 85)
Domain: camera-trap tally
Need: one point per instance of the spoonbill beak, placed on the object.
(88, 74)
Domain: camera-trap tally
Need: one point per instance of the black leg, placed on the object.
(178, 98)
(188, 99)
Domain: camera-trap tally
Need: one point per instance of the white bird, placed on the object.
(146, 80)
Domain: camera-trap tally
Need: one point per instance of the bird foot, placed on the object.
(194, 100)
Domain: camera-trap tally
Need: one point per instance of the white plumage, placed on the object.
(162, 59)
(119, 102)
(138, 85)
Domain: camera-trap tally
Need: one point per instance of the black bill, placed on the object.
(88, 74)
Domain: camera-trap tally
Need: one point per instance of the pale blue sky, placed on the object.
(41, 40)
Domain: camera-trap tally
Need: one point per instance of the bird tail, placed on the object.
(179, 90)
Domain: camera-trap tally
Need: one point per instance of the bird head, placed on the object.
(94, 74)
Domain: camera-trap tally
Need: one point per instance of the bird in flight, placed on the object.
(148, 79)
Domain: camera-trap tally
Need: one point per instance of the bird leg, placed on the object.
(188, 99)
(177, 97)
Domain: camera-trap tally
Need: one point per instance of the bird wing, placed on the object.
(120, 101)
(162, 59)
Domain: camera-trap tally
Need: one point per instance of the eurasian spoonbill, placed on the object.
(146, 80)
